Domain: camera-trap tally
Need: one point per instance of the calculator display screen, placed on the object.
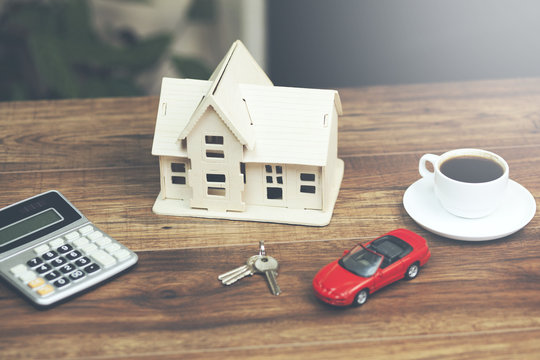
(35, 218)
(28, 225)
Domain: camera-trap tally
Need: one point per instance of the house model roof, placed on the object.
(276, 124)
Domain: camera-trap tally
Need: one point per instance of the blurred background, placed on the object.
(52, 49)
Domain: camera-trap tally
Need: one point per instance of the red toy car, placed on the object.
(367, 268)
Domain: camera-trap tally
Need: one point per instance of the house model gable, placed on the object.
(243, 134)
(224, 95)
(237, 147)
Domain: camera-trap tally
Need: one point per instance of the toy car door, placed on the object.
(388, 273)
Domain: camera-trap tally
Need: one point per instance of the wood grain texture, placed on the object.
(471, 301)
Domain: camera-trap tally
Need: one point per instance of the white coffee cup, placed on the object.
(463, 198)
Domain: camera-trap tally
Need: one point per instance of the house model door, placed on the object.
(308, 186)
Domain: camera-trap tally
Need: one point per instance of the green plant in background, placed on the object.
(49, 50)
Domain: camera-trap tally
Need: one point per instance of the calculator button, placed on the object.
(61, 282)
(112, 248)
(103, 258)
(74, 255)
(72, 236)
(86, 229)
(82, 262)
(37, 282)
(49, 255)
(76, 275)
(53, 275)
(92, 268)
(27, 276)
(34, 262)
(64, 248)
(41, 249)
(104, 241)
(45, 290)
(81, 242)
(56, 243)
(67, 268)
(18, 269)
(122, 254)
(89, 248)
(43, 268)
(59, 261)
(95, 235)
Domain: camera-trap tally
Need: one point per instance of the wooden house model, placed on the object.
(237, 147)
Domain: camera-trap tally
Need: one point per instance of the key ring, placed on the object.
(262, 251)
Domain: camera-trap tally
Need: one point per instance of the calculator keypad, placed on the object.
(68, 259)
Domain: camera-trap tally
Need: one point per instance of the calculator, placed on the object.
(50, 252)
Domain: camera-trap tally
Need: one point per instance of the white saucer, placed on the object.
(517, 209)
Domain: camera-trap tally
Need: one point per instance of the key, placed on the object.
(242, 269)
(249, 270)
(268, 265)
(233, 271)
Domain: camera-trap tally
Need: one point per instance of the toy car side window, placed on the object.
(386, 261)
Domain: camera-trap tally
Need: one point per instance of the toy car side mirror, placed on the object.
(346, 252)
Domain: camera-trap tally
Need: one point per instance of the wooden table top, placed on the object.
(471, 300)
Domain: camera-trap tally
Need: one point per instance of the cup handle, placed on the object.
(424, 172)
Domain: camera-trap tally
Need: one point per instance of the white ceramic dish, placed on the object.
(516, 210)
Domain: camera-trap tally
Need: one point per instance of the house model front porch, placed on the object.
(237, 147)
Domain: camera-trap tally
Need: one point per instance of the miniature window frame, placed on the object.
(214, 140)
(216, 191)
(178, 171)
(214, 147)
(308, 182)
(274, 181)
(216, 184)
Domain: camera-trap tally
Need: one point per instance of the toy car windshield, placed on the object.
(361, 261)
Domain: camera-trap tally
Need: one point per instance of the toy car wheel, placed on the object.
(361, 298)
(412, 271)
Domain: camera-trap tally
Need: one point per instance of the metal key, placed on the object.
(248, 270)
(244, 267)
(232, 276)
(269, 266)
(233, 271)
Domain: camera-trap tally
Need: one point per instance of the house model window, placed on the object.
(214, 147)
(274, 182)
(235, 147)
(307, 183)
(211, 139)
(178, 171)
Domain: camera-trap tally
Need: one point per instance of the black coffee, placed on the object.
(471, 169)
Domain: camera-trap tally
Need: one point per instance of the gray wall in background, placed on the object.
(340, 43)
